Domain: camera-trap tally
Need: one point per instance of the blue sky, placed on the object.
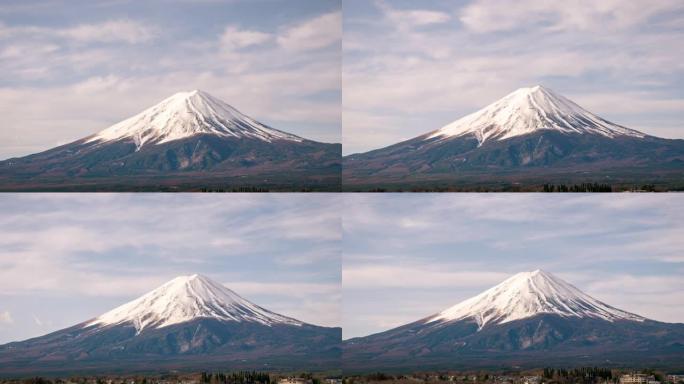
(407, 256)
(412, 67)
(71, 68)
(66, 258)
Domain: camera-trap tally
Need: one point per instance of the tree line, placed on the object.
(584, 187)
(242, 377)
(589, 373)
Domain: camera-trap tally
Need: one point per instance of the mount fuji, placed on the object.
(188, 323)
(190, 140)
(532, 319)
(530, 137)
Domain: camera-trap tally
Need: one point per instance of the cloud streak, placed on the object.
(127, 31)
(319, 32)
(236, 38)
(6, 318)
(484, 16)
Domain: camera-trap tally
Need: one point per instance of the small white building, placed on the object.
(637, 378)
(294, 380)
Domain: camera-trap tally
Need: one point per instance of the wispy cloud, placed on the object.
(320, 301)
(109, 31)
(415, 275)
(412, 17)
(236, 38)
(6, 318)
(127, 31)
(492, 16)
(319, 32)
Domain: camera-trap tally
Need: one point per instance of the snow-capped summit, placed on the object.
(187, 114)
(187, 298)
(527, 294)
(527, 110)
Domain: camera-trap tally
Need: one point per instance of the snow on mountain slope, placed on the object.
(186, 114)
(527, 110)
(527, 294)
(187, 298)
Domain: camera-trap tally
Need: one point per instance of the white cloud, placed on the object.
(290, 289)
(418, 17)
(630, 102)
(14, 51)
(415, 276)
(318, 303)
(653, 296)
(47, 251)
(6, 318)
(485, 16)
(315, 33)
(109, 31)
(413, 17)
(236, 38)
(128, 31)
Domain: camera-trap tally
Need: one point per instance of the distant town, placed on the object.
(591, 375)
(241, 377)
